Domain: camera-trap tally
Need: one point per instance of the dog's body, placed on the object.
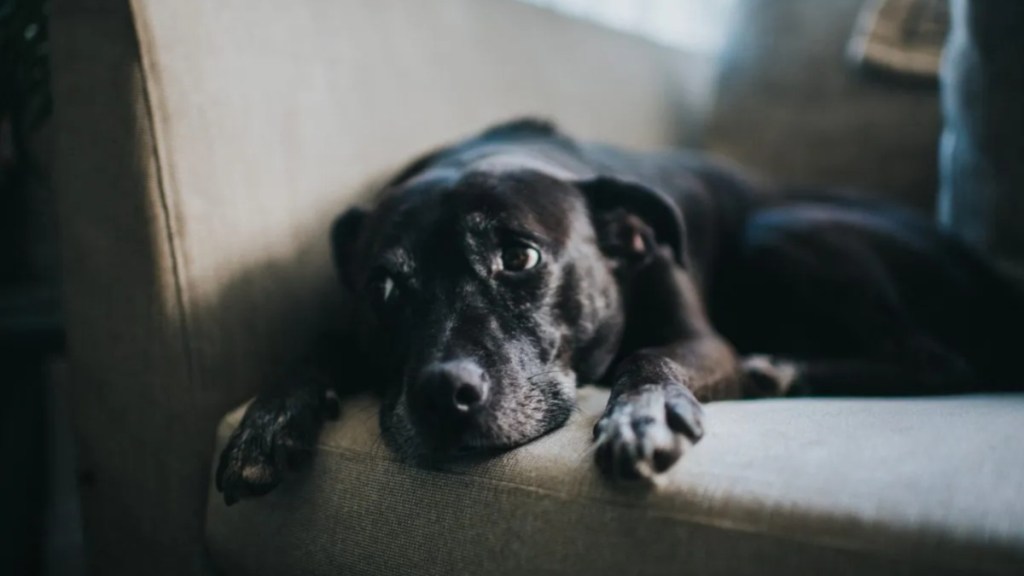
(494, 275)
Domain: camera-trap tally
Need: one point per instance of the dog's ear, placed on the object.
(345, 234)
(415, 167)
(632, 219)
(525, 126)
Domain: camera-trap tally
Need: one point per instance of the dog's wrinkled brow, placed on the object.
(477, 222)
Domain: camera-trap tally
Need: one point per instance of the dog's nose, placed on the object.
(458, 386)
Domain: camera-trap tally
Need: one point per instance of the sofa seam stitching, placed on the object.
(165, 209)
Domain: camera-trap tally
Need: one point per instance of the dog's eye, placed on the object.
(519, 258)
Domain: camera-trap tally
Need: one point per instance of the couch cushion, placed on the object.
(929, 486)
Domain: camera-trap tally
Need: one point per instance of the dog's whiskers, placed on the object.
(540, 374)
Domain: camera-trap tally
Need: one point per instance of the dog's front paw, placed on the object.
(644, 431)
(275, 436)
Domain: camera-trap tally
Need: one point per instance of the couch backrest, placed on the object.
(202, 150)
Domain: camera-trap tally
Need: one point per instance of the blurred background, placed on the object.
(34, 431)
(840, 93)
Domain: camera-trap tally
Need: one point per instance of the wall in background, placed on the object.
(692, 25)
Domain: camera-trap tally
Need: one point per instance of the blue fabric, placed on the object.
(982, 145)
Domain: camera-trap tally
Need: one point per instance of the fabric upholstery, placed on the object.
(202, 150)
(899, 486)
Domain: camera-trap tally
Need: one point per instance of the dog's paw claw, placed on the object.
(644, 432)
(248, 467)
(269, 442)
(685, 416)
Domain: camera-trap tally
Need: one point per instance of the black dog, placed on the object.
(495, 274)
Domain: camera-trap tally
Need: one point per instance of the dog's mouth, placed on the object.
(462, 440)
(466, 455)
(444, 443)
(428, 448)
(470, 452)
(430, 442)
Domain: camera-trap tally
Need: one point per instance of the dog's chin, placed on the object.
(461, 455)
(428, 449)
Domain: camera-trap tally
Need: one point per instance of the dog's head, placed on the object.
(490, 294)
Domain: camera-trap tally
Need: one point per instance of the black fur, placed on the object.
(669, 277)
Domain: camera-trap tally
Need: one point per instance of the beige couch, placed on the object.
(202, 149)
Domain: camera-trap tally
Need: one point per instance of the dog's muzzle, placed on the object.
(447, 402)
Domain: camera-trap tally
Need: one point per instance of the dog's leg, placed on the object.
(926, 370)
(654, 410)
(280, 428)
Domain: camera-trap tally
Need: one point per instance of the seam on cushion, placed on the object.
(161, 162)
(690, 518)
